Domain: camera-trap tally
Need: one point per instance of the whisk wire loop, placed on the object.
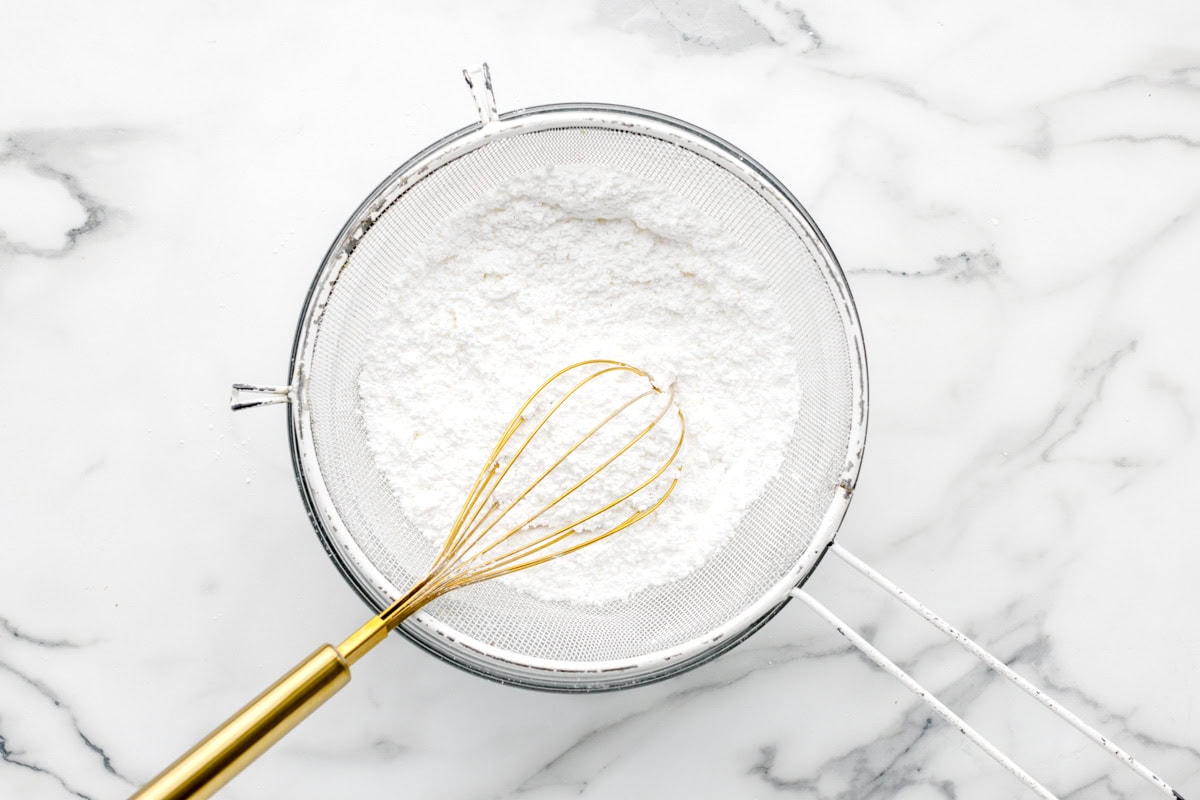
(497, 541)
(512, 561)
(476, 550)
(457, 532)
(477, 535)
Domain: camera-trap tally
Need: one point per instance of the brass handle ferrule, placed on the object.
(359, 643)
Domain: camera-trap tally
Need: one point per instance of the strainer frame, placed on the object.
(423, 629)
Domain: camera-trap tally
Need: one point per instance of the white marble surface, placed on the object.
(1013, 190)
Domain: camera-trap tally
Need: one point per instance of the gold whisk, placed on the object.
(481, 545)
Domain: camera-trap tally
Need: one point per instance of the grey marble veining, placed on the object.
(1011, 190)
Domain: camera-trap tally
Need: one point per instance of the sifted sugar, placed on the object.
(559, 266)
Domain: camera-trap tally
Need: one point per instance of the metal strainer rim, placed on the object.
(425, 630)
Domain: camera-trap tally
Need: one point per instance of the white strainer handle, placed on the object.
(479, 79)
(984, 656)
(890, 667)
(249, 395)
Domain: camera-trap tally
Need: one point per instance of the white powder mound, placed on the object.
(560, 266)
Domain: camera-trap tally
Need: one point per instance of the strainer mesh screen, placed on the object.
(776, 531)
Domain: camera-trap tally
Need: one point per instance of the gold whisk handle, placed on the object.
(208, 766)
(212, 763)
(225, 752)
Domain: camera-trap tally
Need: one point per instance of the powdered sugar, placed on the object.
(560, 266)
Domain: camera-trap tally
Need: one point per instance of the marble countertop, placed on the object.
(1012, 191)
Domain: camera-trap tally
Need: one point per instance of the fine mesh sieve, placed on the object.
(498, 632)
(491, 628)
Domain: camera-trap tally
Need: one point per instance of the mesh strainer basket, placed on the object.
(491, 629)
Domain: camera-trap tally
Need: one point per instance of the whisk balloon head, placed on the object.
(592, 451)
